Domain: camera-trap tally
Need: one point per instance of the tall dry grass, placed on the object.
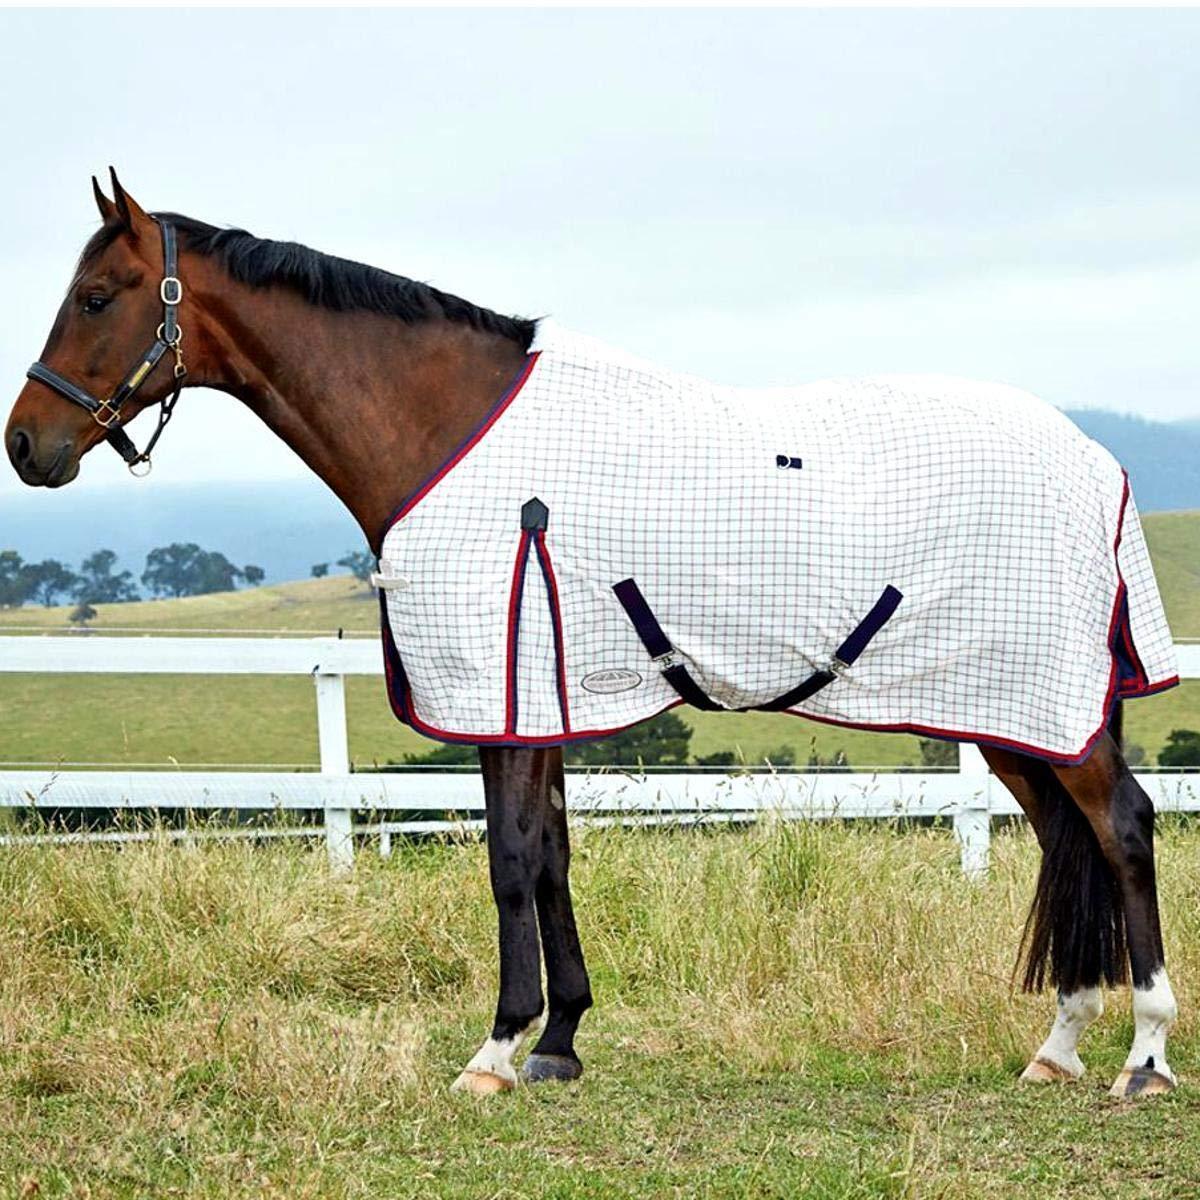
(165, 986)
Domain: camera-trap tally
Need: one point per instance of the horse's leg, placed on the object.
(515, 783)
(1122, 817)
(1057, 1059)
(566, 976)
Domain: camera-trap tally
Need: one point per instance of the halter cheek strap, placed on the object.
(169, 336)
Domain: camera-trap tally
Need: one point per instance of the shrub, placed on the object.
(1182, 749)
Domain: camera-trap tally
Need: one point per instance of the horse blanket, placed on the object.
(904, 553)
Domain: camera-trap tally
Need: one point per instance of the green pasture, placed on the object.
(192, 719)
(222, 720)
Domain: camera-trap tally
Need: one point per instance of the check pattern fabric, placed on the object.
(761, 526)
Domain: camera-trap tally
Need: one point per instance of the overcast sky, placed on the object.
(758, 196)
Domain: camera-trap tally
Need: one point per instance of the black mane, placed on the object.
(324, 280)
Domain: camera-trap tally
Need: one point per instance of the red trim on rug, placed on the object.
(515, 593)
(1122, 614)
(950, 735)
(515, 740)
(560, 653)
(1149, 689)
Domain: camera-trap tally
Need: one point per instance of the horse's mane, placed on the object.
(325, 280)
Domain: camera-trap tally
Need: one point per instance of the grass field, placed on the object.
(788, 1011)
(156, 719)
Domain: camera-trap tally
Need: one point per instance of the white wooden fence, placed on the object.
(969, 796)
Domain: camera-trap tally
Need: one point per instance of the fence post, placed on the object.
(335, 760)
(972, 820)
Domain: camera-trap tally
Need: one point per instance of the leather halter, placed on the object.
(169, 336)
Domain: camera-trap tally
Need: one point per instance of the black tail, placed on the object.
(1075, 932)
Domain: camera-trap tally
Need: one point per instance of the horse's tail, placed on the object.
(1075, 932)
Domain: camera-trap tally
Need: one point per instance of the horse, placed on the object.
(377, 382)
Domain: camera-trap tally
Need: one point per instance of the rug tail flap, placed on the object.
(1147, 625)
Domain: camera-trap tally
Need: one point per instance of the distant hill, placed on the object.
(285, 527)
(1162, 458)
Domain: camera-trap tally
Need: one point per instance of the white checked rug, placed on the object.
(899, 553)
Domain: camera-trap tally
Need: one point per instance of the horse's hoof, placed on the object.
(540, 1067)
(1042, 1070)
(1141, 1081)
(482, 1083)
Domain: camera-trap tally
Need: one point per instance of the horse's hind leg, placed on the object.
(1033, 787)
(1122, 817)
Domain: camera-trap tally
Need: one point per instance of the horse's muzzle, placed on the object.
(60, 467)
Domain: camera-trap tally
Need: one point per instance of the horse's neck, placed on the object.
(370, 403)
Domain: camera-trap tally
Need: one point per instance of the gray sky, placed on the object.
(757, 196)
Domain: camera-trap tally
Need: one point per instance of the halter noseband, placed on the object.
(169, 336)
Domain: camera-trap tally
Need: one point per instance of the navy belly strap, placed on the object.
(670, 662)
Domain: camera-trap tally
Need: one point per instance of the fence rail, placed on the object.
(969, 797)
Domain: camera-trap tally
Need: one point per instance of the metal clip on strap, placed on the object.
(659, 647)
(846, 654)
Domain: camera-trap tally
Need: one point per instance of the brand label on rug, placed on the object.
(615, 679)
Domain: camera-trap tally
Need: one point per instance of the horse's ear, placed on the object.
(108, 210)
(129, 212)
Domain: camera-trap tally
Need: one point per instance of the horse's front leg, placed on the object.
(515, 784)
(570, 995)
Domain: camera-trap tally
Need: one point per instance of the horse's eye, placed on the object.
(95, 303)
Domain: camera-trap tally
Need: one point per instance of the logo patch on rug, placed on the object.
(615, 679)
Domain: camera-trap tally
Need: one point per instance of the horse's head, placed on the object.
(115, 319)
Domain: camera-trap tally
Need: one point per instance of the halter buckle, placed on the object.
(170, 291)
(109, 419)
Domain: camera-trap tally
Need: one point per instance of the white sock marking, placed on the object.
(1075, 1013)
(1154, 1012)
(495, 1057)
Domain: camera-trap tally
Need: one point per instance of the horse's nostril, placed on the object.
(19, 447)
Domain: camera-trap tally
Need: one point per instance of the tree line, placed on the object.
(180, 569)
(360, 564)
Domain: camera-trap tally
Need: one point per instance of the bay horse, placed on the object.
(374, 380)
